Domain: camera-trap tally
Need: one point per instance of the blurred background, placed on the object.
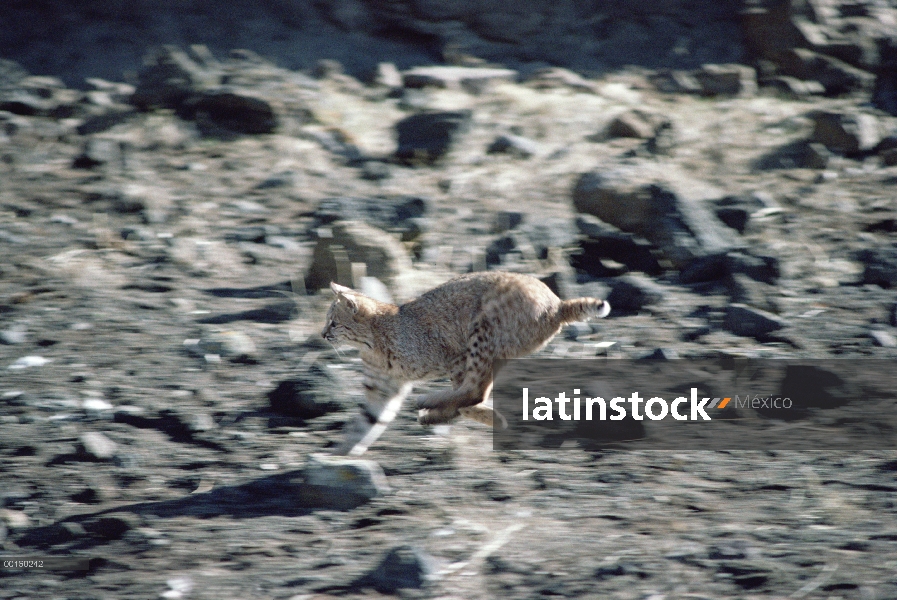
(181, 181)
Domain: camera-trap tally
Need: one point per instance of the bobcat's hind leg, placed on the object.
(472, 379)
(442, 407)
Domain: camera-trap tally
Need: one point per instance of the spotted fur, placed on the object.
(462, 330)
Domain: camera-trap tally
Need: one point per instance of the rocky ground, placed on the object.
(164, 382)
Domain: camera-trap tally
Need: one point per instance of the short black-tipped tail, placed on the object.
(580, 309)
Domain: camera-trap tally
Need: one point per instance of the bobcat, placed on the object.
(460, 330)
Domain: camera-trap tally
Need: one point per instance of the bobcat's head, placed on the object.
(348, 318)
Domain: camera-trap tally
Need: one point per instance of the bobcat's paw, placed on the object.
(436, 416)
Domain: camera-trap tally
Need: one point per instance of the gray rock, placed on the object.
(172, 75)
(816, 156)
(792, 86)
(111, 527)
(889, 157)
(105, 120)
(630, 293)
(751, 322)
(453, 77)
(404, 567)
(883, 338)
(348, 242)
(506, 220)
(664, 140)
(661, 354)
(499, 248)
(672, 214)
(880, 266)
(759, 267)
(388, 75)
(327, 67)
(405, 215)
(232, 109)
(93, 445)
(602, 242)
(341, 483)
(745, 290)
(632, 124)
(676, 82)
(426, 137)
(727, 80)
(230, 344)
(306, 397)
(846, 133)
(98, 151)
(515, 145)
(17, 334)
(375, 170)
(558, 77)
(836, 76)
(802, 154)
(40, 96)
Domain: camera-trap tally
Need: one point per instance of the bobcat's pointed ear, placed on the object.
(346, 294)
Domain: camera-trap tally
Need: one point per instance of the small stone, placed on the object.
(327, 67)
(96, 446)
(793, 86)
(889, 157)
(846, 133)
(677, 82)
(728, 80)
(16, 334)
(880, 266)
(671, 213)
(661, 354)
(404, 567)
(343, 483)
(453, 77)
(375, 170)
(836, 76)
(426, 137)
(388, 75)
(506, 220)
(630, 293)
(515, 145)
(558, 77)
(631, 124)
(74, 530)
(751, 322)
(98, 151)
(235, 345)
(178, 587)
(199, 422)
(883, 338)
(348, 242)
(15, 519)
(27, 362)
(96, 405)
(305, 398)
(233, 109)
